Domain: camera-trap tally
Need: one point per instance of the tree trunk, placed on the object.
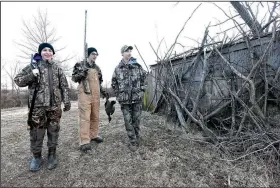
(254, 25)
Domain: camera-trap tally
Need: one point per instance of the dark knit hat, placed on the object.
(44, 45)
(91, 49)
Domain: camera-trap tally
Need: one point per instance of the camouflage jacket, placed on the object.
(80, 73)
(128, 82)
(53, 85)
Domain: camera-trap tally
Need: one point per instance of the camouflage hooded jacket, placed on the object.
(80, 73)
(53, 85)
(128, 82)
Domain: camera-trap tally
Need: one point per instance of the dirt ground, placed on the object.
(166, 157)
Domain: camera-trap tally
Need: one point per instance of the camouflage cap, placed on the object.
(125, 48)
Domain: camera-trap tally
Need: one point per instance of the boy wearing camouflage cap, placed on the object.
(128, 85)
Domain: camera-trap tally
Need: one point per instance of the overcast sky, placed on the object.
(110, 26)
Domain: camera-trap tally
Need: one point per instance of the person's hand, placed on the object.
(67, 107)
(83, 74)
(35, 72)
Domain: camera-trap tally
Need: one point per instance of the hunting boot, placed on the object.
(133, 146)
(52, 161)
(35, 163)
(98, 139)
(85, 148)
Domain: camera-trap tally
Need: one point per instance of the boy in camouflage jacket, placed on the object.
(128, 85)
(52, 91)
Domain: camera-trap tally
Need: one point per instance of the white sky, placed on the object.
(110, 25)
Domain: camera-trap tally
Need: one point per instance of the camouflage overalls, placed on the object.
(128, 85)
(53, 90)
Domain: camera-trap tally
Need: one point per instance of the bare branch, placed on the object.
(173, 45)
(160, 44)
(251, 22)
(207, 131)
(224, 21)
(269, 145)
(268, 23)
(175, 4)
(142, 58)
(155, 51)
(204, 73)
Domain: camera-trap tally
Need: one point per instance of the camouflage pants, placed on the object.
(131, 114)
(45, 118)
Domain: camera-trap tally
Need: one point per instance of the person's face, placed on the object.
(127, 54)
(47, 54)
(92, 57)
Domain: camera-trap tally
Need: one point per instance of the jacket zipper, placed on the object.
(130, 84)
(50, 76)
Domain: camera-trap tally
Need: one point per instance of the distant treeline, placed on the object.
(19, 98)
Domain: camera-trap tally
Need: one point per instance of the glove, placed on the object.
(104, 94)
(35, 72)
(82, 75)
(67, 107)
(84, 72)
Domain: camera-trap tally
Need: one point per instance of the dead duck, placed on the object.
(109, 107)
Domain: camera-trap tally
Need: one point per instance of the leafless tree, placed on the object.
(11, 71)
(36, 31)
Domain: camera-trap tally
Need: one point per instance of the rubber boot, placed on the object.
(35, 163)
